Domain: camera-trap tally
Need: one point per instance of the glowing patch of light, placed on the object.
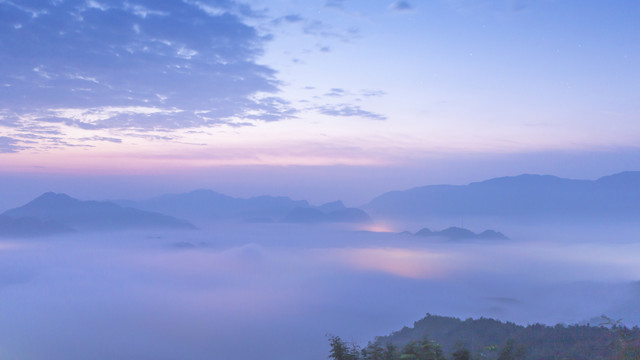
(8, 246)
(377, 227)
(415, 264)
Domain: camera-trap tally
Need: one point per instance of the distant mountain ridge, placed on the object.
(457, 233)
(91, 215)
(333, 212)
(540, 196)
(206, 205)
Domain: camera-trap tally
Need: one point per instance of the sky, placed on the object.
(317, 99)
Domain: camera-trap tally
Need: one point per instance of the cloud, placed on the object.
(321, 29)
(291, 18)
(372, 93)
(401, 5)
(336, 92)
(8, 120)
(102, 138)
(349, 110)
(9, 145)
(338, 4)
(182, 58)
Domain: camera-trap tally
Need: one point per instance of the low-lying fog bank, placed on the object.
(273, 291)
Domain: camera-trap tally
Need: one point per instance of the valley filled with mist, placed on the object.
(207, 276)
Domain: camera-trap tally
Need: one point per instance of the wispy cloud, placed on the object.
(372, 93)
(102, 138)
(349, 111)
(401, 5)
(9, 145)
(291, 18)
(339, 4)
(336, 92)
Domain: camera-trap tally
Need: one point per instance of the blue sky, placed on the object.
(426, 89)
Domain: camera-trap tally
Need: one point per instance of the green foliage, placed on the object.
(415, 350)
(511, 352)
(486, 339)
(342, 351)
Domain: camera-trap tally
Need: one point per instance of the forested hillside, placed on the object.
(439, 338)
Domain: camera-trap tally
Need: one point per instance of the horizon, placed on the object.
(20, 198)
(317, 101)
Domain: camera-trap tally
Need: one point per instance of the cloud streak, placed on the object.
(346, 110)
(9, 145)
(401, 6)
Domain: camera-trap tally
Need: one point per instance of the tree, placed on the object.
(461, 354)
(422, 350)
(374, 352)
(511, 352)
(341, 351)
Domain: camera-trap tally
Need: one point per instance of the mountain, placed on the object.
(333, 212)
(331, 206)
(210, 205)
(490, 339)
(201, 205)
(456, 233)
(29, 227)
(525, 196)
(92, 215)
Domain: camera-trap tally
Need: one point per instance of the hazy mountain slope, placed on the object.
(207, 204)
(29, 227)
(616, 196)
(330, 212)
(96, 215)
(456, 233)
(210, 205)
(487, 337)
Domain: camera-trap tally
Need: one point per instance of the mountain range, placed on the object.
(53, 213)
(457, 233)
(333, 212)
(210, 205)
(207, 205)
(615, 197)
(525, 196)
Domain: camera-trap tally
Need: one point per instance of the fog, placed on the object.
(274, 291)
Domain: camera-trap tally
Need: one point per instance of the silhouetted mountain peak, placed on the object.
(332, 206)
(422, 232)
(523, 180)
(65, 210)
(491, 234)
(458, 233)
(626, 178)
(54, 199)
